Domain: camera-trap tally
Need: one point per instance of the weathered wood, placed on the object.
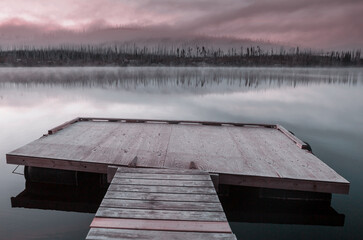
(161, 171)
(141, 224)
(283, 183)
(211, 123)
(210, 198)
(56, 164)
(64, 125)
(160, 182)
(128, 234)
(160, 214)
(161, 189)
(297, 141)
(162, 205)
(186, 206)
(196, 177)
(267, 152)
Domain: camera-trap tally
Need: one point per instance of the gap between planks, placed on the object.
(162, 196)
(162, 205)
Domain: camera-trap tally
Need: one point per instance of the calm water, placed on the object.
(321, 106)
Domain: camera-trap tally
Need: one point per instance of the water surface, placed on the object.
(321, 106)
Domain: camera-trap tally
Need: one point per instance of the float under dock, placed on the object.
(160, 204)
(256, 155)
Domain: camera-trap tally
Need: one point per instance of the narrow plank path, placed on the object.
(160, 204)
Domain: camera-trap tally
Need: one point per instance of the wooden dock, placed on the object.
(146, 203)
(256, 155)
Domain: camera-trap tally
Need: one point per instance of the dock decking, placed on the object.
(266, 156)
(160, 204)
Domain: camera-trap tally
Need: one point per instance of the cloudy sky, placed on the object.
(321, 24)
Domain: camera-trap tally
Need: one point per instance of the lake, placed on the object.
(322, 106)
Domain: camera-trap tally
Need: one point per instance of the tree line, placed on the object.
(134, 55)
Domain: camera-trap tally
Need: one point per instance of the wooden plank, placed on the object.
(195, 177)
(161, 171)
(284, 183)
(253, 151)
(161, 189)
(134, 209)
(62, 126)
(160, 214)
(159, 182)
(211, 123)
(161, 205)
(129, 234)
(142, 224)
(56, 164)
(209, 147)
(147, 143)
(292, 163)
(297, 141)
(211, 198)
(226, 149)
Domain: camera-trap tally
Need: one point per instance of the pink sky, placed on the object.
(307, 23)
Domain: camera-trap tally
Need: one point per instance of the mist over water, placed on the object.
(175, 79)
(323, 106)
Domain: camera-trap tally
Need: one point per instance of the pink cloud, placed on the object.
(308, 23)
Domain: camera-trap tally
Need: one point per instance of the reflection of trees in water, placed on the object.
(174, 79)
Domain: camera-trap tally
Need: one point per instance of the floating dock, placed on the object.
(160, 204)
(255, 155)
(164, 174)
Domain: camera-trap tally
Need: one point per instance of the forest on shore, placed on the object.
(132, 55)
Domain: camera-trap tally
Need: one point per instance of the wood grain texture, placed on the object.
(62, 126)
(161, 189)
(162, 205)
(210, 198)
(56, 164)
(161, 171)
(180, 205)
(297, 141)
(287, 184)
(162, 182)
(160, 214)
(199, 177)
(129, 234)
(237, 150)
(184, 226)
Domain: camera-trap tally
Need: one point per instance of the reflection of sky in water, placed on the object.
(322, 106)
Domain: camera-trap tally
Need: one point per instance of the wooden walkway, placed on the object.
(160, 204)
(255, 155)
